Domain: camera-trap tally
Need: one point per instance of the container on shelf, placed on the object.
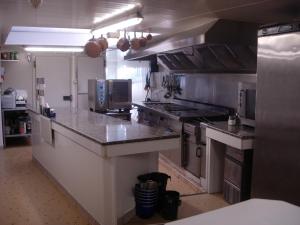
(9, 55)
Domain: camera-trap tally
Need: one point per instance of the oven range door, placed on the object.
(195, 157)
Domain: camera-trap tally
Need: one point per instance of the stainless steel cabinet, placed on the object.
(196, 154)
(237, 174)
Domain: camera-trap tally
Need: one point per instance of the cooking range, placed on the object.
(192, 155)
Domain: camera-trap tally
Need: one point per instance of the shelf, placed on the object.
(15, 109)
(16, 135)
(9, 60)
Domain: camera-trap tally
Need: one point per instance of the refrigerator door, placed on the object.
(276, 165)
(1, 127)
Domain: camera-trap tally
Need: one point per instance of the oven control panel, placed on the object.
(101, 92)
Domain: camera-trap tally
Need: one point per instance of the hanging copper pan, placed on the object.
(92, 48)
(102, 41)
(123, 43)
(135, 43)
(143, 41)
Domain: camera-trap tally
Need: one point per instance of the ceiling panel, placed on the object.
(163, 16)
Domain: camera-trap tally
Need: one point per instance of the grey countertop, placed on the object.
(107, 130)
(243, 132)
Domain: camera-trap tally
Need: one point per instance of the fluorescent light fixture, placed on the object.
(115, 13)
(48, 36)
(53, 49)
(118, 26)
(50, 30)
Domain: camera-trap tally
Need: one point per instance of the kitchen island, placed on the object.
(96, 158)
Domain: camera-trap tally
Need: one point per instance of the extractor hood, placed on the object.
(220, 46)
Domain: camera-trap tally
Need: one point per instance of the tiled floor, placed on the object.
(28, 197)
(177, 182)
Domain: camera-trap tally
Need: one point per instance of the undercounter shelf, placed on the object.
(16, 123)
(16, 135)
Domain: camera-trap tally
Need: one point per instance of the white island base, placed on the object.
(99, 177)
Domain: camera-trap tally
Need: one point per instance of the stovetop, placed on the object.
(201, 113)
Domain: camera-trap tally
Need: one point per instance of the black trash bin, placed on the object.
(170, 202)
(161, 179)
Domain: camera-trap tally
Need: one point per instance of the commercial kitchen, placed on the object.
(135, 112)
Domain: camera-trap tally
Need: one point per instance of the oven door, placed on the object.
(195, 156)
(119, 94)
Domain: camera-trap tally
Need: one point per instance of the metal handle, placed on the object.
(184, 160)
(242, 92)
(198, 152)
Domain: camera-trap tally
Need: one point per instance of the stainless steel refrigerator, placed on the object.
(276, 161)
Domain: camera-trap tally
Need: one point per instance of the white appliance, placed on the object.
(246, 103)
(1, 128)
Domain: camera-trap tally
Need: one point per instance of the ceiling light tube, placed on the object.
(53, 49)
(122, 10)
(119, 24)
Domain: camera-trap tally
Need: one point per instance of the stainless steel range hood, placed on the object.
(220, 46)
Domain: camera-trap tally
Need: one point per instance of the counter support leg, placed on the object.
(215, 152)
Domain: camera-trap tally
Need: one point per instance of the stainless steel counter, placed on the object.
(107, 130)
(243, 132)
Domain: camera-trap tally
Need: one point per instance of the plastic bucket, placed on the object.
(145, 200)
(161, 179)
(145, 211)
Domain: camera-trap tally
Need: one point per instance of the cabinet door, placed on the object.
(233, 172)
(194, 156)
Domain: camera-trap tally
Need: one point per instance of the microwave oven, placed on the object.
(246, 103)
(114, 94)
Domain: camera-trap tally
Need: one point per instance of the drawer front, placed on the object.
(231, 193)
(233, 172)
(235, 153)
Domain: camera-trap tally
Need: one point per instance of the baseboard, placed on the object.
(127, 217)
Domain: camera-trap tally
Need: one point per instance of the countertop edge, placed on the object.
(244, 137)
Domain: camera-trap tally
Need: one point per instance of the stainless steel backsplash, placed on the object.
(217, 89)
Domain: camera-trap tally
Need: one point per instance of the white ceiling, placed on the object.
(161, 16)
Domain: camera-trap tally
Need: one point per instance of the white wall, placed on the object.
(20, 75)
(118, 68)
(88, 68)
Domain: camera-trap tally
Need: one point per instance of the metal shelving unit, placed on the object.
(5, 136)
(15, 109)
